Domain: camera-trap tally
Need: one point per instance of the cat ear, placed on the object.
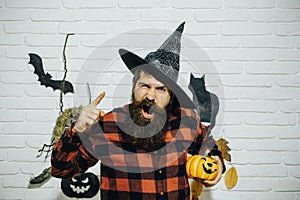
(203, 77)
(191, 77)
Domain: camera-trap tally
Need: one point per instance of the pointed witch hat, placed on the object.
(162, 64)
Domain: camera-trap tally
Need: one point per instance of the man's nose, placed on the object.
(151, 94)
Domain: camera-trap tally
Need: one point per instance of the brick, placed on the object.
(289, 106)
(297, 42)
(252, 132)
(18, 65)
(288, 132)
(267, 94)
(30, 27)
(143, 4)
(249, 4)
(288, 55)
(291, 158)
(28, 155)
(288, 81)
(166, 15)
(267, 42)
(41, 115)
(231, 93)
(48, 193)
(252, 184)
(246, 28)
(246, 81)
(190, 54)
(2, 52)
(37, 90)
(205, 28)
(52, 40)
(16, 77)
(250, 54)
(213, 42)
(56, 15)
(111, 15)
(271, 145)
(26, 128)
(43, 52)
(289, 15)
(33, 168)
(286, 185)
(231, 119)
(10, 181)
(90, 3)
(268, 195)
(138, 27)
(261, 171)
(218, 15)
(11, 90)
(295, 171)
(11, 116)
(14, 14)
(250, 106)
(272, 68)
(33, 4)
(208, 194)
(11, 142)
(94, 40)
(288, 4)
(9, 168)
(197, 4)
(11, 39)
(266, 119)
(85, 27)
(256, 157)
(287, 29)
(3, 155)
(12, 193)
(38, 142)
(30, 103)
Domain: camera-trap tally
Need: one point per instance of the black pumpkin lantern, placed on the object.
(84, 185)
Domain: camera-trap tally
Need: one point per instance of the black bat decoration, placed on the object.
(45, 79)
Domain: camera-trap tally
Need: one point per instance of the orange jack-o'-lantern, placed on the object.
(202, 167)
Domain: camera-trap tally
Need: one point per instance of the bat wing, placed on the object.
(36, 62)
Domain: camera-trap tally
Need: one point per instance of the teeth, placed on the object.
(79, 189)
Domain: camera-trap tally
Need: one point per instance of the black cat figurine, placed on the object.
(207, 103)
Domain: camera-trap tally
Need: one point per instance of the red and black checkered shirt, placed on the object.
(128, 172)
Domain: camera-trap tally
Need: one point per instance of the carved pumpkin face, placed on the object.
(85, 185)
(202, 167)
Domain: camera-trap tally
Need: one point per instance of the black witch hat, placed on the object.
(163, 64)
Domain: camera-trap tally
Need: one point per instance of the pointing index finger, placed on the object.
(98, 99)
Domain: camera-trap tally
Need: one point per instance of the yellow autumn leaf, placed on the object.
(231, 178)
(196, 189)
(223, 147)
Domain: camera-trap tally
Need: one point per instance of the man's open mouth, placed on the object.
(147, 112)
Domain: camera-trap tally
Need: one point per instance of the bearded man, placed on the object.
(143, 146)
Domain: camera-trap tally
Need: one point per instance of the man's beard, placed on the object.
(147, 134)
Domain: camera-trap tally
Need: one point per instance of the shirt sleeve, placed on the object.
(69, 157)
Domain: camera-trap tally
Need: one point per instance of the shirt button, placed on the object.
(160, 171)
(161, 193)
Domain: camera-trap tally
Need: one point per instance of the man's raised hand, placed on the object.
(89, 115)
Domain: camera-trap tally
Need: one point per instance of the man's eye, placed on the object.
(145, 86)
(162, 89)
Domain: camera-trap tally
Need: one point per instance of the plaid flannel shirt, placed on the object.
(128, 172)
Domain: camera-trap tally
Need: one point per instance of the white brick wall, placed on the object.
(254, 47)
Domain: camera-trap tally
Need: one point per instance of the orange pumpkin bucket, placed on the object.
(202, 167)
